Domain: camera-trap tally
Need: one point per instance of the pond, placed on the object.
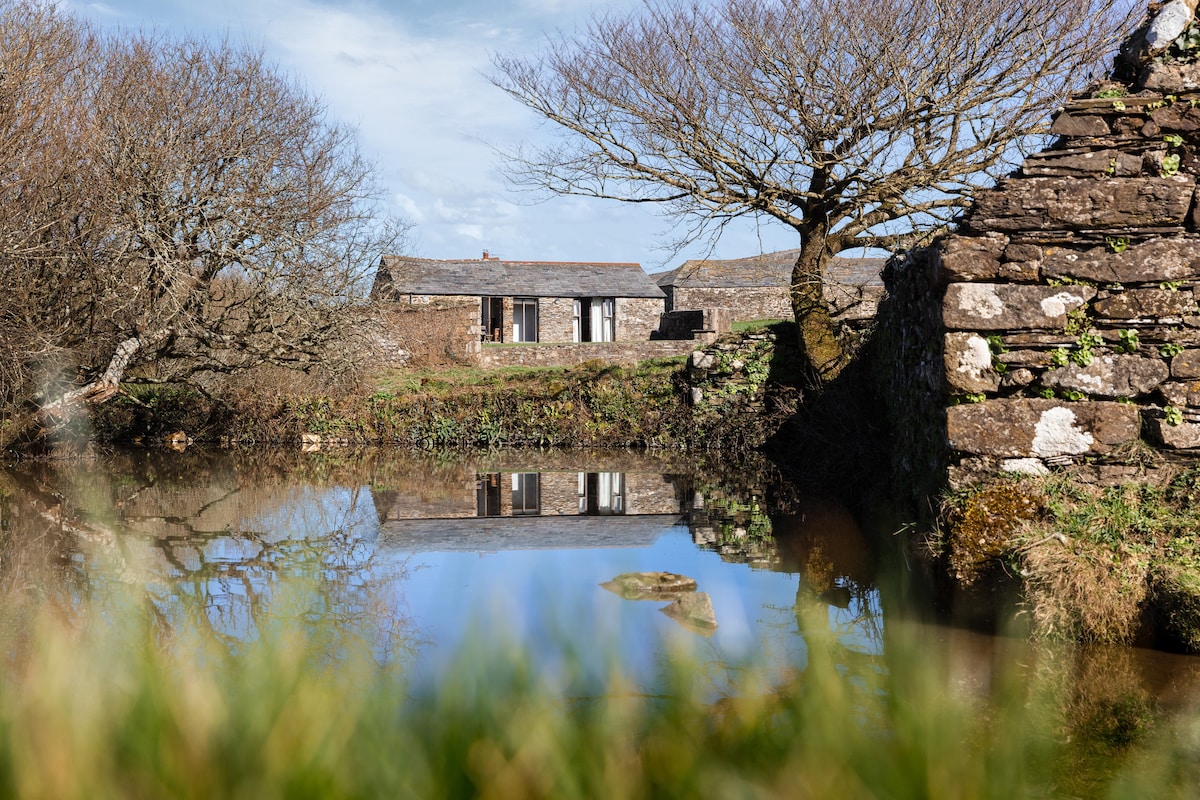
(603, 560)
(519, 548)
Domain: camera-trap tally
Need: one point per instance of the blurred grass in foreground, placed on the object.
(105, 702)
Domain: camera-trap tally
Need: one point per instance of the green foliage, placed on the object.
(1128, 341)
(1170, 165)
(1185, 46)
(1059, 357)
(1111, 91)
(1117, 244)
(1172, 415)
(1173, 139)
(1170, 350)
(1170, 286)
(1078, 322)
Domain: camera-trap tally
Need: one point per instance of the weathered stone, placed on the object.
(1170, 21)
(1146, 303)
(693, 611)
(969, 364)
(1186, 365)
(1179, 117)
(1026, 358)
(1051, 339)
(994, 307)
(1181, 394)
(1172, 78)
(1108, 163)
(970, 258)
(1154, 261)
(1056, 203)
(1024, 466)
(650, 585)
(1184, 436)
(1066, 124)
(1036, 428)
(1110, 376)
(1016, 379)
(1020, 251)
(1020, 271)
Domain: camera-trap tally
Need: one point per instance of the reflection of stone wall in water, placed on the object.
(734, 524)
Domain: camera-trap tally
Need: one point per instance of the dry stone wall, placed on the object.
(1065, 309)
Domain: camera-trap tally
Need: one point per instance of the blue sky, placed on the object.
(411, 76)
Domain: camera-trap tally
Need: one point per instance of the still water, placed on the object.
(515, 548)
(430, 557)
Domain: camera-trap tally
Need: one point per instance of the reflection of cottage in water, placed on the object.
(517, 508)
(590, 494)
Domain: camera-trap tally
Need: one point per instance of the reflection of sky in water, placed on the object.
(541, 596)
(530, 599)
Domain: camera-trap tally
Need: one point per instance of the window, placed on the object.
(601, 493)
(487, 495)
(526, 494)
(594, 319)
(492, 319)
(525, 319)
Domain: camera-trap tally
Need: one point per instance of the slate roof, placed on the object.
(493, 276)
(766, 269)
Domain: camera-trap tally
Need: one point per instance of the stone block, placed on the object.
(1090, 164)
(968, 361)
(1172, 78)
(998, 306)
(1181, 393)
(1030, 204)
(1066, 124)
(1110, 376)
(1146, 303)
(1154, 261)
(970, 258)
(1178, 117)
(1036, 428)
(1186, 365)
(1184, 436)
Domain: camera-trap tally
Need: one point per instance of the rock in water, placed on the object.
(650, 585)
(693, 611)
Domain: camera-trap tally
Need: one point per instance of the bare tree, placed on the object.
(196, 214)
(857, 124)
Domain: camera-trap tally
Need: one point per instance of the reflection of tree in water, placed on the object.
(231, 544)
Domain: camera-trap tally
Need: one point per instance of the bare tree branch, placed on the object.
(838, 119)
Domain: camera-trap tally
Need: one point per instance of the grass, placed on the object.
(741, 326)
(104, 701)
(1096, 563)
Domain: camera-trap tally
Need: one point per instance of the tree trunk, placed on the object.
(822, 354)
(53, 414)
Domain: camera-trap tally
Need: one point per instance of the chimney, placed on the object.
(485, 255)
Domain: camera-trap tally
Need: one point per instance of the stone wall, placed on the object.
(1070, 328)
(567, 353)
(745, 303)
(638, 317)
(700, 323)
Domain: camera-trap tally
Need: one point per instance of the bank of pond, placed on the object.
(366, 622)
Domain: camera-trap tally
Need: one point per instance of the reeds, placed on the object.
(107, 701)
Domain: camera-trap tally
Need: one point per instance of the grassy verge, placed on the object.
(101, 702)
(594, 404)
(1093, 563)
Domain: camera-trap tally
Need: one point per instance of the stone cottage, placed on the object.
(531, 301)
(757, 287)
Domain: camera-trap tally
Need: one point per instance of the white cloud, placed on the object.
(412, 80)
